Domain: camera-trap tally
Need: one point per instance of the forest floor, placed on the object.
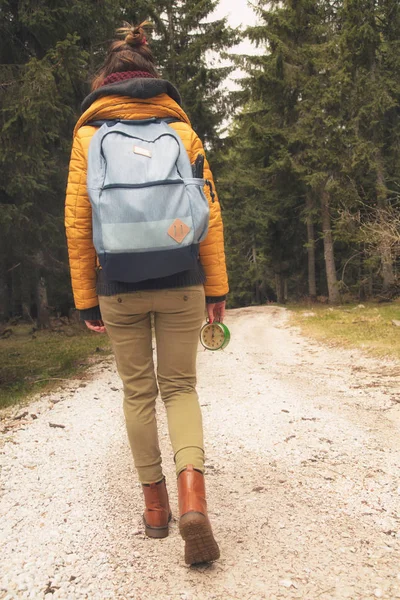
(32, 360)
(371, 327)
(303, 457)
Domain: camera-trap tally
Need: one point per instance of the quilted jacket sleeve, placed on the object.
(78, 224)
(212, 253)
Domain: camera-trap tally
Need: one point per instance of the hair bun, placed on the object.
(133, 36)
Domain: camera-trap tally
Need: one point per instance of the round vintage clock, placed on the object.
(215, 336)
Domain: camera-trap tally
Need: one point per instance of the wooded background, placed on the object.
(308, 171)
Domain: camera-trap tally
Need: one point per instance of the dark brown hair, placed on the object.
(130, 54)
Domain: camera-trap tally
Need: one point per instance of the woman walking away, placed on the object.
(145, 236)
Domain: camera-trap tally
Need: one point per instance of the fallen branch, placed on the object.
(14, 267)
(21, 416)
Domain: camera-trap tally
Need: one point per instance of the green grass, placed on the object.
(352, 326)
(30, 362)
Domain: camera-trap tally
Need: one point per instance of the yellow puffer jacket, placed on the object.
(78, 213)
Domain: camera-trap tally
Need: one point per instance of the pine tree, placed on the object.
(46, 55)
(273, 92)
(184, 42)
(318, 140)
(370, 42)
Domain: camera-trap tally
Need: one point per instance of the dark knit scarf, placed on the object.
(122, 75)
(134, 87)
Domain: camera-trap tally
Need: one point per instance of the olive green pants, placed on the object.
(178, 315)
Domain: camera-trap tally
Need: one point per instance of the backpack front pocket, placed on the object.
(132, 220)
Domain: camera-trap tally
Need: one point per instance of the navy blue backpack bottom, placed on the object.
(139, 266)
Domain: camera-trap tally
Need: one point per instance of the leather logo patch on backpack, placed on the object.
(178, 231)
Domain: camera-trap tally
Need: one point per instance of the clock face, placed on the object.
(213, 336)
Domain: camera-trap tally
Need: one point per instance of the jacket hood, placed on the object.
(133, 99)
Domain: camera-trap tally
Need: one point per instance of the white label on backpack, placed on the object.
(142, 151)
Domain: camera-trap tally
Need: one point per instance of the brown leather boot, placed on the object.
(194, 525)
(157, 514)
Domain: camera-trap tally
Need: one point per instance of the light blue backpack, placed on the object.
(149, 212)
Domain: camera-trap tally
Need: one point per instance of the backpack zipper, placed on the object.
(128, 186)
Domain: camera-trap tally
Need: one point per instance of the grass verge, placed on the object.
(365, 326)
(30, 362)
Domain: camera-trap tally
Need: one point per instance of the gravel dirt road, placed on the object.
(303, 458)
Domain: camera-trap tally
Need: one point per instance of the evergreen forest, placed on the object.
(305, 149)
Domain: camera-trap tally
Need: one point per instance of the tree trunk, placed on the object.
(333, 291)
(3, 296)
(4, 304)
(280, 288)
(171, 35)
(370, 282)
(257, 283)
(385, 247)
(15, 277)
(312, 285)
(43, 313)
(387, 266)
(26, 294)
(381, 191)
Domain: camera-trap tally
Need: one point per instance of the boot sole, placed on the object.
(200, 545)
(157, 532)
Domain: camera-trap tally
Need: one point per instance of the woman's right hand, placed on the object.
(97, 326)
(216, 312)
